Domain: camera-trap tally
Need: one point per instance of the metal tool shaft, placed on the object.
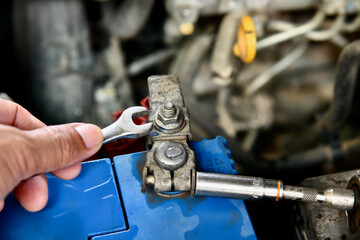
(254, 188)
(335, 197)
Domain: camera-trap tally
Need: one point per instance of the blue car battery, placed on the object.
(105, 202)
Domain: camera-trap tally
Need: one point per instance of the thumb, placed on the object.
(62, 146)
(24, 154)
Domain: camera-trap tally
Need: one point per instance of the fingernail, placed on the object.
(1, 205)
(90, 134)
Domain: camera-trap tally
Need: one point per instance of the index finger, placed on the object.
(13, 114)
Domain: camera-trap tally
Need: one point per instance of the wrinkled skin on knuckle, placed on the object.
(26, 158)
(58, 147)
(16, 161)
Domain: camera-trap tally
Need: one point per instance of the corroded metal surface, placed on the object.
(314, 221)
(172, 125)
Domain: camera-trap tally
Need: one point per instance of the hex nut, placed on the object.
(166, 120)
(169, 119)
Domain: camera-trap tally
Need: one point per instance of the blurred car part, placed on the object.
(281, 113)
(53, 46)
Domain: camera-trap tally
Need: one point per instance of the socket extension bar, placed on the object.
(255, 188)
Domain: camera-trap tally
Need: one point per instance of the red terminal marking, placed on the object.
(278, 191)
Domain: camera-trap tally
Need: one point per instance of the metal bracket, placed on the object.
(170, 161)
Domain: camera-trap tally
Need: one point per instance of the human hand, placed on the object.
(29, 148)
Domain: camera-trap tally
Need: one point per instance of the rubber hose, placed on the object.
(345, 85)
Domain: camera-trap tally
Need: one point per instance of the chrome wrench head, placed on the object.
(125, 127)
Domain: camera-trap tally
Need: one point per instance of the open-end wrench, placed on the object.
(125, 127)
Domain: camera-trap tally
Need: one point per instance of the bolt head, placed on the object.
(173, 152)
(171, 155)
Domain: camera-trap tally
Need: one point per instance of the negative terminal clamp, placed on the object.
(170, 161)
